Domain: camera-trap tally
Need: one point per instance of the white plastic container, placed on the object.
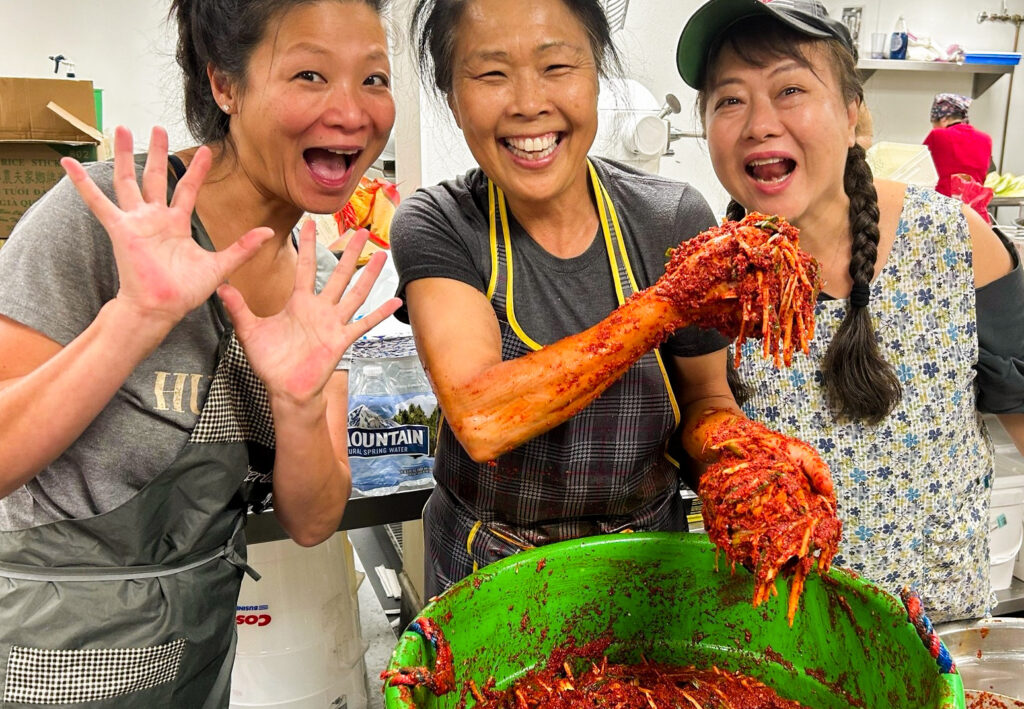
(903, 162)
(299, 640)
(1006, 524)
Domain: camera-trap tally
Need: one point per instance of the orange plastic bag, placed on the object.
(372, 206)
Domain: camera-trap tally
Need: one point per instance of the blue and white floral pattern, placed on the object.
(913, 491)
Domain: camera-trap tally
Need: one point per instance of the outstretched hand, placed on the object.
(295, 351)
(163, 273)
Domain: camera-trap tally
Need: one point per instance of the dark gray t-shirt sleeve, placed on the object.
(1000, 312)
(435, 234)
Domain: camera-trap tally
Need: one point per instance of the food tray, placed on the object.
(992, 58)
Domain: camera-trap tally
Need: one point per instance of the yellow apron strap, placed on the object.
(469, 541)
(615, 243)
(493, 239)
(498, 211)
(609, 223)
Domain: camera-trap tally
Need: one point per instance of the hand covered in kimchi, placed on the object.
(768, 502)
(747, 279)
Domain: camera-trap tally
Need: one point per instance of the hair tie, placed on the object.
(860, 295)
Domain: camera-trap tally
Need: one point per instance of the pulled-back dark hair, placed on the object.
(223, 33)
(859, 383)
(434, 23)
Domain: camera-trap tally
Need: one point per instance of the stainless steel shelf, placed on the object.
(984, 74)
(1007, 202)
(1011, 600)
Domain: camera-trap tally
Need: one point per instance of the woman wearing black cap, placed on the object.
(910, 341)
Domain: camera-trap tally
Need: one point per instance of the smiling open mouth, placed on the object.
(330, 164)
(770, 170)
(533, 148)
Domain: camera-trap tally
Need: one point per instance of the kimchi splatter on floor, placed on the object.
(605, 685)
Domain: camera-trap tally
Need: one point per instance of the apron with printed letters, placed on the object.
(135, 607)
(604, 470)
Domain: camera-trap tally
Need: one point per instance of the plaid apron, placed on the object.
(606, 469)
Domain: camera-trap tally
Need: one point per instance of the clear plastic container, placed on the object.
(903, 162)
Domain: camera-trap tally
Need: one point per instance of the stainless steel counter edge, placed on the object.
(367, 511)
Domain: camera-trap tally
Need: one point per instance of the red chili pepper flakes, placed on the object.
(987, 700)
(591, 682)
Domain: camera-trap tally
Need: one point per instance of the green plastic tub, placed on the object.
(661, 597)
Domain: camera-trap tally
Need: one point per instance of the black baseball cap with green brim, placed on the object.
(712, 19)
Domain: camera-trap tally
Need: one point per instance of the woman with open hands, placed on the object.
(171, 358)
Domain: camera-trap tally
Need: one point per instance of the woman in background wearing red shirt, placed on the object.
(956, 145)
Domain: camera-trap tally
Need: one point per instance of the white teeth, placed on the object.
(338, 151)
(765, 161)
(533, 145)
(531, 155)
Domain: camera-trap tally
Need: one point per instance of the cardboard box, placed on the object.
(41, 120)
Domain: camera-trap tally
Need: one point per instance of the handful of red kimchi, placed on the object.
(747, 278)
(768, 503)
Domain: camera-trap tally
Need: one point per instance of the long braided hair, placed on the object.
(859, 383)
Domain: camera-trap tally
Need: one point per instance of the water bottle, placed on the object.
(372, 382)
(372, 391)
(898, 44)
(408, 377)
(392, 425)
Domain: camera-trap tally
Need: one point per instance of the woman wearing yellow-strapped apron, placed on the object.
(156, 368)
(505, 267)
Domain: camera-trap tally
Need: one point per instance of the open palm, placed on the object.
(163, 273)
(295, 351)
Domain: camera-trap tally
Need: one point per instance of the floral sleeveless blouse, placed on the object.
(913, 491)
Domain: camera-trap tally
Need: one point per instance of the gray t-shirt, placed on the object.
(442, 232)
(56, 272)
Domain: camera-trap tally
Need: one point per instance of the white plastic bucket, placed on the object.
(299, 644)
(1006, 524)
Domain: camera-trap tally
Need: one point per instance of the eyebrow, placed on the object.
(377, 53)
(501, 55)
(309, 47)
(788, 65)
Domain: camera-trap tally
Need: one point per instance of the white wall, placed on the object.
(127, 49)
(900, 100)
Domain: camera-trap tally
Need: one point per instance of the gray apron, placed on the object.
(135, 607)
(606, 469)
